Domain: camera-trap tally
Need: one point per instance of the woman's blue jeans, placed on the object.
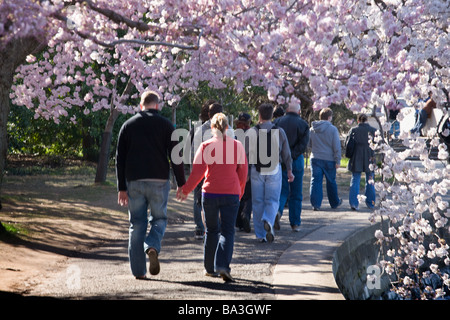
(369, 191)
(319, 169)
(142, 196)
(220, 219)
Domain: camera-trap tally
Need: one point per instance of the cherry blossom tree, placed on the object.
(317, 52)
(361, 53)
(414, 211)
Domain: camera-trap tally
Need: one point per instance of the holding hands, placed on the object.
(180, 195)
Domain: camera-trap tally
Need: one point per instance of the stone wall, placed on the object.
(350, 263)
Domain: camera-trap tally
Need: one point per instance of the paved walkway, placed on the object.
(304, 270)
(297, 265)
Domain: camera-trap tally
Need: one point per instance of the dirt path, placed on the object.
(53, 217)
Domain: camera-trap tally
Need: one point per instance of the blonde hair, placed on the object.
(219, 122)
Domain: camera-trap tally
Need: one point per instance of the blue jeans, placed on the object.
(220, 219)
(319, 169)
(421, 121)
(144, 195)
(395, 128)
(354, 190)
(293, 191)
(266, 191)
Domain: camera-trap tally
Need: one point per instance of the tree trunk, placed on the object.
(12, 54)
(6, 80)
(103, 159)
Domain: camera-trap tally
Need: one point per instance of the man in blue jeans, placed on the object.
(142, 166)
(266, 180)
(297, 132)
(325, 148)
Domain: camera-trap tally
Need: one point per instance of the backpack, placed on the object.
(350, 145)
(259, 161)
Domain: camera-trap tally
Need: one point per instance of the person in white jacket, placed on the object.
(325, 149)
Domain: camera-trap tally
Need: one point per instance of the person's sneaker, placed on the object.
(226, 276)
(339, 204)
(154, 262)
(354, 208)
(269, 229)
(316, 209)
(212, 274)
(276, 225)
(199, 234)
(295, 228)
(370, 205)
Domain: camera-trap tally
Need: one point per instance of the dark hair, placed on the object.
(215, 108)
(149, 97)
(204, 113)
(278, 112)
(362, 118)
(265, 111)
(324, 114)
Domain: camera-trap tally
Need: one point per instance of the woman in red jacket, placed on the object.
(221, 160)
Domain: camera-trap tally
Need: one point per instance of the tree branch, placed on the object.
(138, 42)
(114, 16)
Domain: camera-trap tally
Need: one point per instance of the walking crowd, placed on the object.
(235, 173)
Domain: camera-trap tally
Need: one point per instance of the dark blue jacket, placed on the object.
(363, 155)
(297, 132)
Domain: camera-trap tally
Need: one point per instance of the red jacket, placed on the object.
(224, 166)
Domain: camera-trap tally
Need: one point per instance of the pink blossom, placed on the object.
(272, 93)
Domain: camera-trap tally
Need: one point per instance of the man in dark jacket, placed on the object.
(363, 156)
(142, 166)
(297, 132)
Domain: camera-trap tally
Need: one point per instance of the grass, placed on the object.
(49, 170)
(9, 231)
(344, 162)
(14, 229)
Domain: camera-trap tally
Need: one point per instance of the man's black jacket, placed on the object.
(144, 149)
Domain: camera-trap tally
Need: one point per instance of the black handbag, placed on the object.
(350, 146)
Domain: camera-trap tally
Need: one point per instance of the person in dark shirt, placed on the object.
(297, 132)
(360, 162)
(244, 122)
(143, 161)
